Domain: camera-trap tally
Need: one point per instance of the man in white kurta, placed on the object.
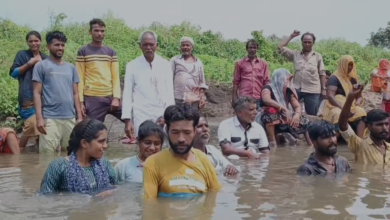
(148, 87)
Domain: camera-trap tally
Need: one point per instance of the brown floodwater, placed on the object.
(265, 189)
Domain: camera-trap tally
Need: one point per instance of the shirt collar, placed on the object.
(208, 150)
(193, 56)
(238, 124)
(371, 143)
(313, 160)
(256, 59)
(312, 52)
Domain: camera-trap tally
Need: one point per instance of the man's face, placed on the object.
(307, 43)
(97, 33)
(186, 48)
(202, 131)
(148, 45)
(380, 129)
(252, 49)
(181, 136)
(326, 146)
(248, 114)
(56, 48)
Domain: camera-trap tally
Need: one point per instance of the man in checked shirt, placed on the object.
(250, 74)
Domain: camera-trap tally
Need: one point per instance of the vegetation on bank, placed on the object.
(217, 53)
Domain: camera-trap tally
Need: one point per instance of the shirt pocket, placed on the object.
(312, 67)
(235, 139)
(299, 65)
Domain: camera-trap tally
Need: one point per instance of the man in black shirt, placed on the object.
(324, 160)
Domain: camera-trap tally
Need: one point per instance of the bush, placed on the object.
(217, 54)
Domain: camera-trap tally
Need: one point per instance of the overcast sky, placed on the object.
(353, 20)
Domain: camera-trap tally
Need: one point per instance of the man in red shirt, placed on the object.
(250, 74)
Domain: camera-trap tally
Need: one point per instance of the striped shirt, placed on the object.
(98, 69)
(55, 179)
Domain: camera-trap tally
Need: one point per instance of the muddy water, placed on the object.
(266, 189)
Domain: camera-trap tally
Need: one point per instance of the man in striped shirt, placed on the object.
(98, 68)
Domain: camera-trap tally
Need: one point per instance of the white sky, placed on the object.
(349, 19)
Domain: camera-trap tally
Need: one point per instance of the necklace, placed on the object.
(331, 164)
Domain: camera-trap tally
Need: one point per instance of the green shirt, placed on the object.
(55, 179)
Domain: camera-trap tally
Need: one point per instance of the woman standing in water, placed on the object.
(21, 70)
(84, 170)
(150, 140)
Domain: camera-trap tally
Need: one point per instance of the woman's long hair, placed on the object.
(78, 182)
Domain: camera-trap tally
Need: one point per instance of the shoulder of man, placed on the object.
(304, 169)
(199, 154)
(158, 159)
(239, 61)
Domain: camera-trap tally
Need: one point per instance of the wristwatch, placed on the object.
(324, 88)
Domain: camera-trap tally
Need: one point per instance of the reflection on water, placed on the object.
(266, 189)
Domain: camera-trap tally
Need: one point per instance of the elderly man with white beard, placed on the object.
(201, 140)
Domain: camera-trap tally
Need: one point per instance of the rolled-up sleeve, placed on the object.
(237, 74)
(321, 66)
(287, 53)
(127, 99)
(352, 139)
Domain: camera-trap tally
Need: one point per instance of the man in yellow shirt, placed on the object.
(373, 149)
(179, 170)
(98, 68)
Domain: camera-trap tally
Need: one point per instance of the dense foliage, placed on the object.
(217, 53)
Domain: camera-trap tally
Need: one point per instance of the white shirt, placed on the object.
(231, 131)
(148, 90)
(217, 159)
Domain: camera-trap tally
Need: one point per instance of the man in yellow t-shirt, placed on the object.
(179, 170)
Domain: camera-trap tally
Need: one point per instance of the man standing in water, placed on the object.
(98, 69)
(372, 149)
(148, 88)
(250, 74)
(324, 159)
(309, 77)
(56, 96)
(188, 76)
(179, 170)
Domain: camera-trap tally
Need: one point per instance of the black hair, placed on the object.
(149, 128)
(180, 112)
(97, 21)
(252, 41)
(321, 129)
(308, 33)
(58, 35)
(376, 115)
(328, 73)
(33, 33)
(88, 129)
(242, 103)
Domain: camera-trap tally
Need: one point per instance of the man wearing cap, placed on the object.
(188, 76)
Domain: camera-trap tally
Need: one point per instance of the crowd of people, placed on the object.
(64, 107)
